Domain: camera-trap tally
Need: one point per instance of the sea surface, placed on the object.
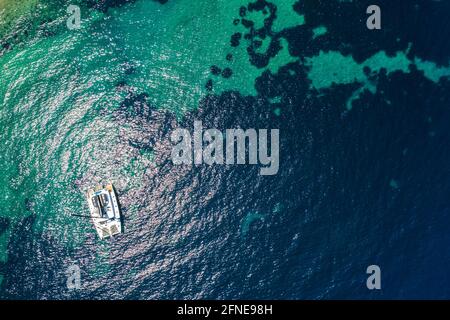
(364, 174)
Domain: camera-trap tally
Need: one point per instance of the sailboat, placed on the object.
(105, 212)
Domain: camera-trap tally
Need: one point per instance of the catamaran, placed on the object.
(105, 212)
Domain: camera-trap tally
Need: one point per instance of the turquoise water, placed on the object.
(55, 91)
(55, 87)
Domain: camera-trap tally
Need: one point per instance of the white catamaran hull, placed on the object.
(105, 212)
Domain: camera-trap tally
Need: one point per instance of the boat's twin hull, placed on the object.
(105, 212)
